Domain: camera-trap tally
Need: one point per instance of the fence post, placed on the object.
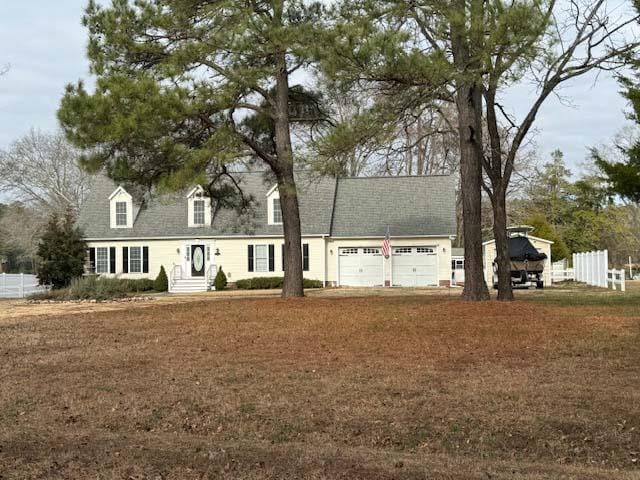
(22, 285)
(623, 286)
(605, 264)
(613, 279)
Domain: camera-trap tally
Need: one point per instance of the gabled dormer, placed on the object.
(274, 209)
(120, 209)
(199, 208)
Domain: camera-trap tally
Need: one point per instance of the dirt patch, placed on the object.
(353, 388)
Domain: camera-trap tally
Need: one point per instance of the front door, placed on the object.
(197, 260)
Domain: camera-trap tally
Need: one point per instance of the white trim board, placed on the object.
(543, 240)
(194, 237)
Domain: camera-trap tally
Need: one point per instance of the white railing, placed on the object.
(562, 275)
(615, 278)
(175, 275)
(211, 276)
(20, 285)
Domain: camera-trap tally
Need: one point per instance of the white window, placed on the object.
(120, 209)
(457, 264)
(262, 258)
(277, 211)
(135, 260)
(198, 212)
(371, 251)
(121, 214)
(348, 251)
(102, 260)
(425, 250)
(402, 250)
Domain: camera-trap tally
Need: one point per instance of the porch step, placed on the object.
(188, 285)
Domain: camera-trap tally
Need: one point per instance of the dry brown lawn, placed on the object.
(407, 387)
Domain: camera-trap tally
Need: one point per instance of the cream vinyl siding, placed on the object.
(233, 256)
(438, 243)
(161, 252)
(489, 255)
(235, 263)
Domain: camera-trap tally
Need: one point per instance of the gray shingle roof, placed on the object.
(363, 207)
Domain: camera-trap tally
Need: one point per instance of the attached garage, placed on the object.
(361, 267)
(414, 266)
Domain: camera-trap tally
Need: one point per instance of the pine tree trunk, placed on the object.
(469, 103)
(293, 282)
(503, 260)
(466, 35)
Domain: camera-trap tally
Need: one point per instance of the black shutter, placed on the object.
(283, 257)
(250, 248)
(125, 259)
(145, 259)
(305, 257)
(92, 260)
(112, 259)
(272, 262)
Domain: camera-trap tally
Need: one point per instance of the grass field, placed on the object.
(378, 387)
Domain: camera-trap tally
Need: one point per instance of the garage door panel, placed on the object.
(360, 267)
(415, 267)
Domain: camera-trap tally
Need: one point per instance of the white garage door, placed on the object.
(360, 267)
(415, 266)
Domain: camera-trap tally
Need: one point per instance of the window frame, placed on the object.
(130, 259)
(106, 259)
(457, 264)
(274, 220)
(256, 258)
(119, 214)
(196, 213)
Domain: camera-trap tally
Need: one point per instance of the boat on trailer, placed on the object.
(527, 263)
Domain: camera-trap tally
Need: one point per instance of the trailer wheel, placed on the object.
(539, 284)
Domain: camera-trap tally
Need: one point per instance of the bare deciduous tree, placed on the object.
(586, 36)
(42, 169)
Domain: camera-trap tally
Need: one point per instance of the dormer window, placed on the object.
(121, 209)
(277, 211)
(199, 208)
(198, 212)
(121, 214)
(274, 207)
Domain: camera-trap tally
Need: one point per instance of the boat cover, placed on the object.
(521, 249)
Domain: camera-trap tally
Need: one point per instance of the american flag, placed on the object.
(386, 245)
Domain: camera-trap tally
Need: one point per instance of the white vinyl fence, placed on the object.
(563, 274)
(19, 285)
(593, 269)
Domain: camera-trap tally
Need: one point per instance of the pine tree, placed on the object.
(178, 82)
(161, 283)
(624, 176)
(62, 252)
(468, 52)
(220, 281)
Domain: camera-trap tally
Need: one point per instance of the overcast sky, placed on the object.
(44, 43)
